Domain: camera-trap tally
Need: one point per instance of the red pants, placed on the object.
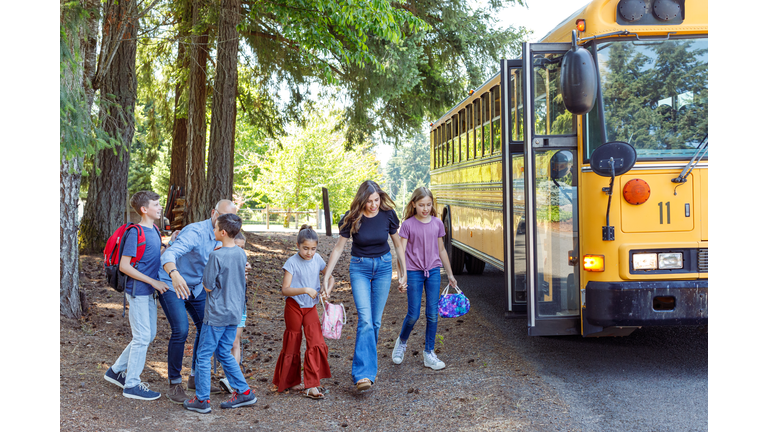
(288, 368)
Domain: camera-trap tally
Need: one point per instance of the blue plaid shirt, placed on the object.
(190, 252)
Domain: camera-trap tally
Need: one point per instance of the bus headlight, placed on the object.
(657, 261)
(645, 261)
(670, 260)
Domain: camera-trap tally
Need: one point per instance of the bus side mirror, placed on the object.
(578, 80)
(613, 159)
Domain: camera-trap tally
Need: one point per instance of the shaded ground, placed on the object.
(485, 386)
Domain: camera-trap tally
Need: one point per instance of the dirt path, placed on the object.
(481, 388)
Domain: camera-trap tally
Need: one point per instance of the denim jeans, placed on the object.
(176, 310)
(142, 315)
(417, 282)
(371, 279)
(217, 340)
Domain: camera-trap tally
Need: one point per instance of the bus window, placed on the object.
(454, 139)
(551, 117)
(655, 96)
(432, 149)
(470, 132)
(462, 153)
(448, 142)
(478, 129)
(496, 128)
(519, 104)
(486, 125)
(513, 112)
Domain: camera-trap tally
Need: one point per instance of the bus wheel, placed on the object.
(455, 255)
(475, 266)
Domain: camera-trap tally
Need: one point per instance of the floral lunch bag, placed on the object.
(332, 319)
(452, 305)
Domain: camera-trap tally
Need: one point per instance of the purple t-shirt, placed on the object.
(422, 251)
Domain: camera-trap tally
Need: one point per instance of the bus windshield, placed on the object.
(655, 96)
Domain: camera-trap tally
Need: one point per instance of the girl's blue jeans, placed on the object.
(371, 279)
(418, 282)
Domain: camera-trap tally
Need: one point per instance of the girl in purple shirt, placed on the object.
(422, 236)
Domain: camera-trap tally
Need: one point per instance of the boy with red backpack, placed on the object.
(139, 289)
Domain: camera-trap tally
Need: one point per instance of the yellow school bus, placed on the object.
(580, 170)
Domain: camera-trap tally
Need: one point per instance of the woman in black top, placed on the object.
(370, 221)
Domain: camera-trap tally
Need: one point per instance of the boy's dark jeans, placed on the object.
(176, 310)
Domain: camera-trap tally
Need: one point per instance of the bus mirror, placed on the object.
(560, 164)
(578, 80)
(619, 154)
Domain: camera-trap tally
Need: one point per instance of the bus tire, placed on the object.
(455, 255)
(475, 266)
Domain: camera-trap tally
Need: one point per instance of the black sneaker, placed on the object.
(195, 404)
(237, 400)
(117, 379)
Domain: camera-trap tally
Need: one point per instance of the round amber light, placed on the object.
(637, 191)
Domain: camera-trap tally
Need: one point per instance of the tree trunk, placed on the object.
(107, 192)
(179, 147)
(220, 178)
(70, 171)
(196, 205)
(69, 263)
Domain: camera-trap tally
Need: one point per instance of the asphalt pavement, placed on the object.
(655, 379)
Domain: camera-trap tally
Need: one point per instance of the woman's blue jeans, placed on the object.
(371, 279)
(417, 282)
(176, 311)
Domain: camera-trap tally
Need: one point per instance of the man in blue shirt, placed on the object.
(182, 271)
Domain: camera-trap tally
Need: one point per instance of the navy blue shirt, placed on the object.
(370, 241)
(149, 263)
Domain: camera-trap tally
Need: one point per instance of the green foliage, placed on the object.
(295, 168)
(80, 134)
(150, 153)
(409, 164)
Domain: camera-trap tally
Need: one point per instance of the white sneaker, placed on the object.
(431, 360)
(224, 384)
(399, 352)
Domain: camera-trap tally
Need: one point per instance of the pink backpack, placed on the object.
(332, 319)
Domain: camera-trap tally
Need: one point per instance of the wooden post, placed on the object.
(327, 211)
(317, 219)
(267, 217)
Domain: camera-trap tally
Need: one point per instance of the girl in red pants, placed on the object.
(301, 286)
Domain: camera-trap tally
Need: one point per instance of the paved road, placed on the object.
(652, 380)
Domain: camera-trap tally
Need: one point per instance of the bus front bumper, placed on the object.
(647, 303)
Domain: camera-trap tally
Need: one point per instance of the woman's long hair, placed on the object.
(355, 215)
(419, 194)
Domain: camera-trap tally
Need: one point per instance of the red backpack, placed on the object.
(114, 250)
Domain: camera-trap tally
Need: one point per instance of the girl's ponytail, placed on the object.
(306, 233)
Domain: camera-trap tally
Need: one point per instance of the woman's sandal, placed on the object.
(316, 394)
(364, 384)
(296, 388)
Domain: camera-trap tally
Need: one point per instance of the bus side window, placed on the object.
(486, 125)
(478, 129)
(461, 153)
(519, 104)
(496, 124)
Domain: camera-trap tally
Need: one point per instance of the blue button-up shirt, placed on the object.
(190, 252)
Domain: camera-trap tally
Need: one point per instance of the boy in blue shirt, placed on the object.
(224, 283)
(139, 290)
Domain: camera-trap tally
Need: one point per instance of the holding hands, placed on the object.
(402, 284)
